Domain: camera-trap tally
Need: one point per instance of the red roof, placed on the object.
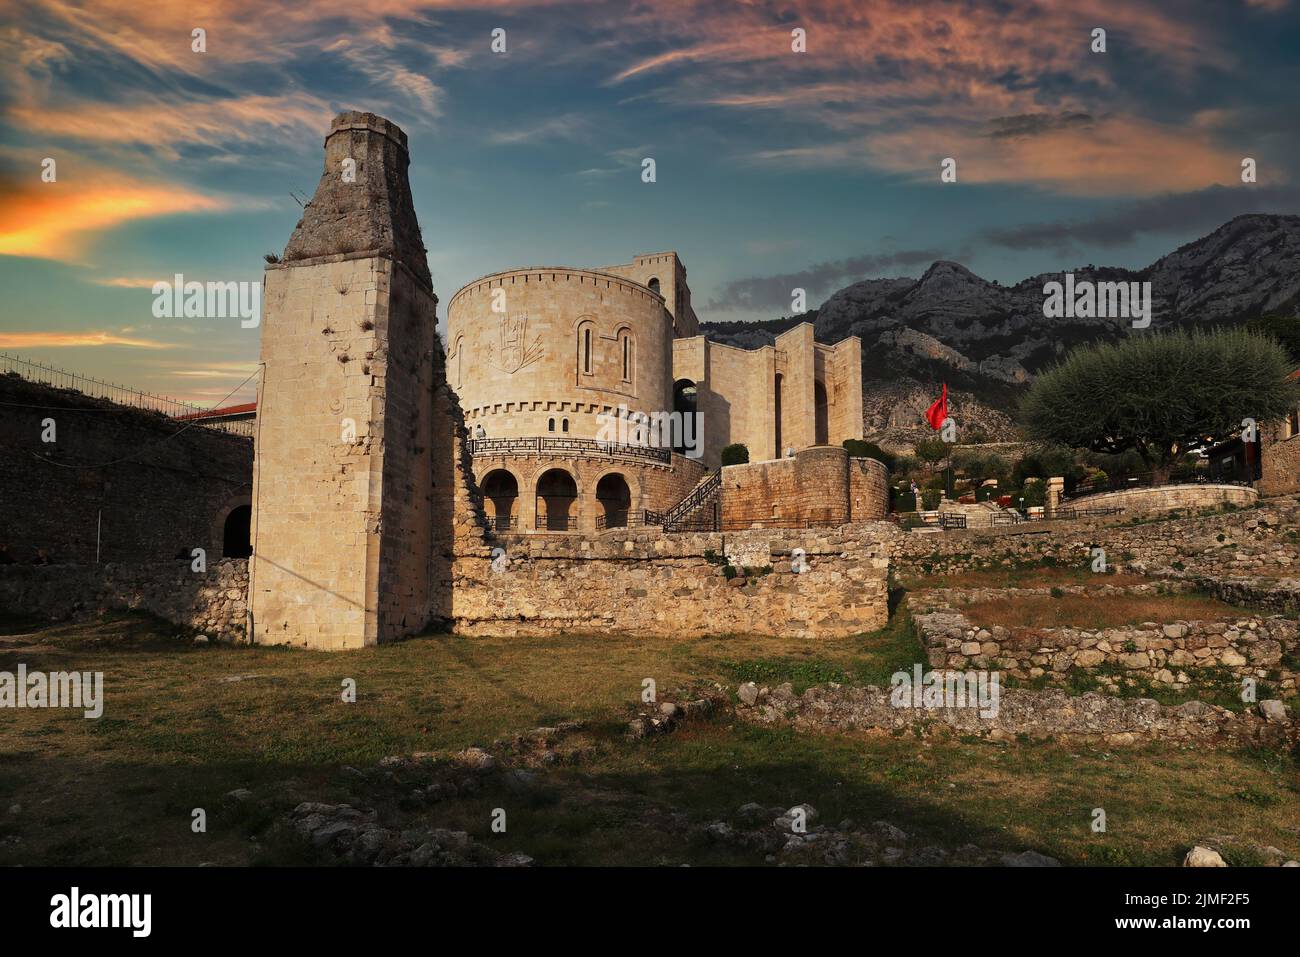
(220, 413)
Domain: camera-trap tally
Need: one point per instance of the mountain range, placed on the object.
(987, 340)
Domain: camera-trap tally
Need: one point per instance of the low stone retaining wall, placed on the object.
(214, 602)
(1262, 540)
(1168, 498)
(948, 598)
(1278, 595)
(1174, 655)
(1096, 717)
(649, 583)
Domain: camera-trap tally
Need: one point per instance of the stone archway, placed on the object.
(614, 498)
(557, 492)
(500, 499)
(236, 533)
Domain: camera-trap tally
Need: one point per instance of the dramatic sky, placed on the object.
(775, 169)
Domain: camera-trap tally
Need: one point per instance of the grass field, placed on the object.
(184, 725)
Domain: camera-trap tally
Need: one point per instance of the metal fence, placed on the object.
(119, 394)
(542, 445)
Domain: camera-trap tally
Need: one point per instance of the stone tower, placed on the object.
(343, 502)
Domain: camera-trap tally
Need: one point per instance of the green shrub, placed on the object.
(735, 454)
(930, 499)
(861, 449)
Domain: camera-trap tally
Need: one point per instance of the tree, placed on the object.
(735, 454)
(1160, 395)
(932, 451)
(1285, 329)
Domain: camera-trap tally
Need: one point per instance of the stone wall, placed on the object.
(1279, 461)
(1040, 714)
(157, 490)
(1168, 498)
(820, 485)
(1173, 654)
(213, 602)
(1261, 540)
(675, 585)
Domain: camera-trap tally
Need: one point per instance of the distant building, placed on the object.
(602, 402)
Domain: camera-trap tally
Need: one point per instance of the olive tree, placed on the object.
(1160, 395)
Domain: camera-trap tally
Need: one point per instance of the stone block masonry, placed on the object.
(344, 525)
(657, 585)
(168, 489)
(821, 485)
(213, 602)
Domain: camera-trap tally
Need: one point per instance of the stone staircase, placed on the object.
(699, 510)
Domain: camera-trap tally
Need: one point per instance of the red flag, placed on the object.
(939, 411)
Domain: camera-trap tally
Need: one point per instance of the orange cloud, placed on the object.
(57, 220)
(161, 125)
(55, 340)
(1111, 156)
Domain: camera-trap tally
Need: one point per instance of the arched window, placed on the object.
(564, 425)
(653, 284)
(586, 349)
(460, 365)
(550, 425)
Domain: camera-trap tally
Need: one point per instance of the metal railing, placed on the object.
(628, 519)
(706, 489)
(544, 445)
(119, 394)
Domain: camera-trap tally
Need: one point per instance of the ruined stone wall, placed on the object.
(1261, 540)
(167, 489)
(1174, 654)
(661, 585)
(213, 602)
(821, 485)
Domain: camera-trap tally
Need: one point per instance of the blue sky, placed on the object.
(774, 168)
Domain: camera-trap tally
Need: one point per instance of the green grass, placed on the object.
(175, 736)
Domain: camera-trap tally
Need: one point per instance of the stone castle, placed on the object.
(571, 402)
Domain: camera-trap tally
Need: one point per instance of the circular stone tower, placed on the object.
(545, 351)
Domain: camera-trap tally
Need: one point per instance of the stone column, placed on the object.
(343, 521)
(1055, 492)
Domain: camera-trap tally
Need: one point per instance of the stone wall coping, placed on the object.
(621, 281)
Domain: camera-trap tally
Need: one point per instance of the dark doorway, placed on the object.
(236, 540)
(685, 403)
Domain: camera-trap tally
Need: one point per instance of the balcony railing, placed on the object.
(545, 445)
